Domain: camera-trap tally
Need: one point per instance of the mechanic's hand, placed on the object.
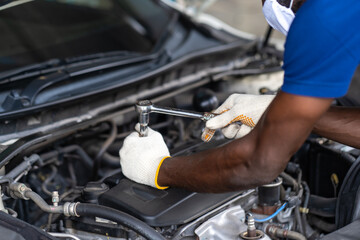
(245, 109)
(141, 157)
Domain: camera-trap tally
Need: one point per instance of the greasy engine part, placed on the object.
(77, 209)
(126, 193)
(225, 225)
(251, 229)
(269, 198)
(269, 194)
(161, 207)
(252, 232)
(277, 232)
(173, 213)
(93, 210)
(229, 224)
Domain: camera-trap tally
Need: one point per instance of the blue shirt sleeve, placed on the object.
(320, 55)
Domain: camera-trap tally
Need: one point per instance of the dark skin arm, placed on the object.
(253, 160)
(340, 124)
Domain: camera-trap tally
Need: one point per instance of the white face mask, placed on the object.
(278, 16)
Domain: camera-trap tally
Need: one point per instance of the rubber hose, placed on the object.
(282, 233)
(310, 232)
(107, 158)
(88, 162)
(299, 220)
(42, 204)
(108, 141)
(321, 224)
(104, 147)
(294, 235)
(113, 161)
(290, 180)
(308, 229)
(307, 194)
(321, 206)
(48, 180)
(93, 210)
(348, 157)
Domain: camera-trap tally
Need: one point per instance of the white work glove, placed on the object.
(245, 109)
(141, 157)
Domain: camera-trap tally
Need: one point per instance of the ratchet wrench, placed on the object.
(145, 107)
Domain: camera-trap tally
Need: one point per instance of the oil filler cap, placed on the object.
(93, 190)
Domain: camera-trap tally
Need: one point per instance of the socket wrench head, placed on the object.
(143, 108)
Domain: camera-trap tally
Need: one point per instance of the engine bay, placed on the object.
(68, 101)
(83, 168)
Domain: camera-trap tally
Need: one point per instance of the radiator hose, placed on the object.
(93, 210)
(19, 190)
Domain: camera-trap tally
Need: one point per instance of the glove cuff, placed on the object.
(157, 174)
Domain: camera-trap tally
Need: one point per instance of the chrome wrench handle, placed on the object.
(145, 107)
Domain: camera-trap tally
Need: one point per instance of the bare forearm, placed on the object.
(253, 160)
(341, 124)
(214, 170)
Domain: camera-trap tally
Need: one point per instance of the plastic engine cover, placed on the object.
(161, 207)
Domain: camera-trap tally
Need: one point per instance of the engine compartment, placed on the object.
(63, 121)
(84, 167)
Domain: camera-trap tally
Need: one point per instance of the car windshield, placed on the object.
(36, 31)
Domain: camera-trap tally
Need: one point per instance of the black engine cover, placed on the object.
(161, 207)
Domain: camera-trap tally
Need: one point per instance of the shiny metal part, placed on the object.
(277, 182)
(70, 209)
(2, 208)
(63, 235)
(251, 230)
(94, 236)
(17, 190)
(55, 198)
(286, 217)
(226, 225)
(258, 235)
(188, 230)
(145, 107)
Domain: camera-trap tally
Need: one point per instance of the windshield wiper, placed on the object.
(28, 71)
(16, 100)
(54, 65)
(101, 55)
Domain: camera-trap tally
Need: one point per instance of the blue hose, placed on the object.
(272, 215)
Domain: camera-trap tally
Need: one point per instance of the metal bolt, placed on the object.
(22, 188)
(55, 198)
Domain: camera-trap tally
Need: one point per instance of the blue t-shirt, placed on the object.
(322, 49)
